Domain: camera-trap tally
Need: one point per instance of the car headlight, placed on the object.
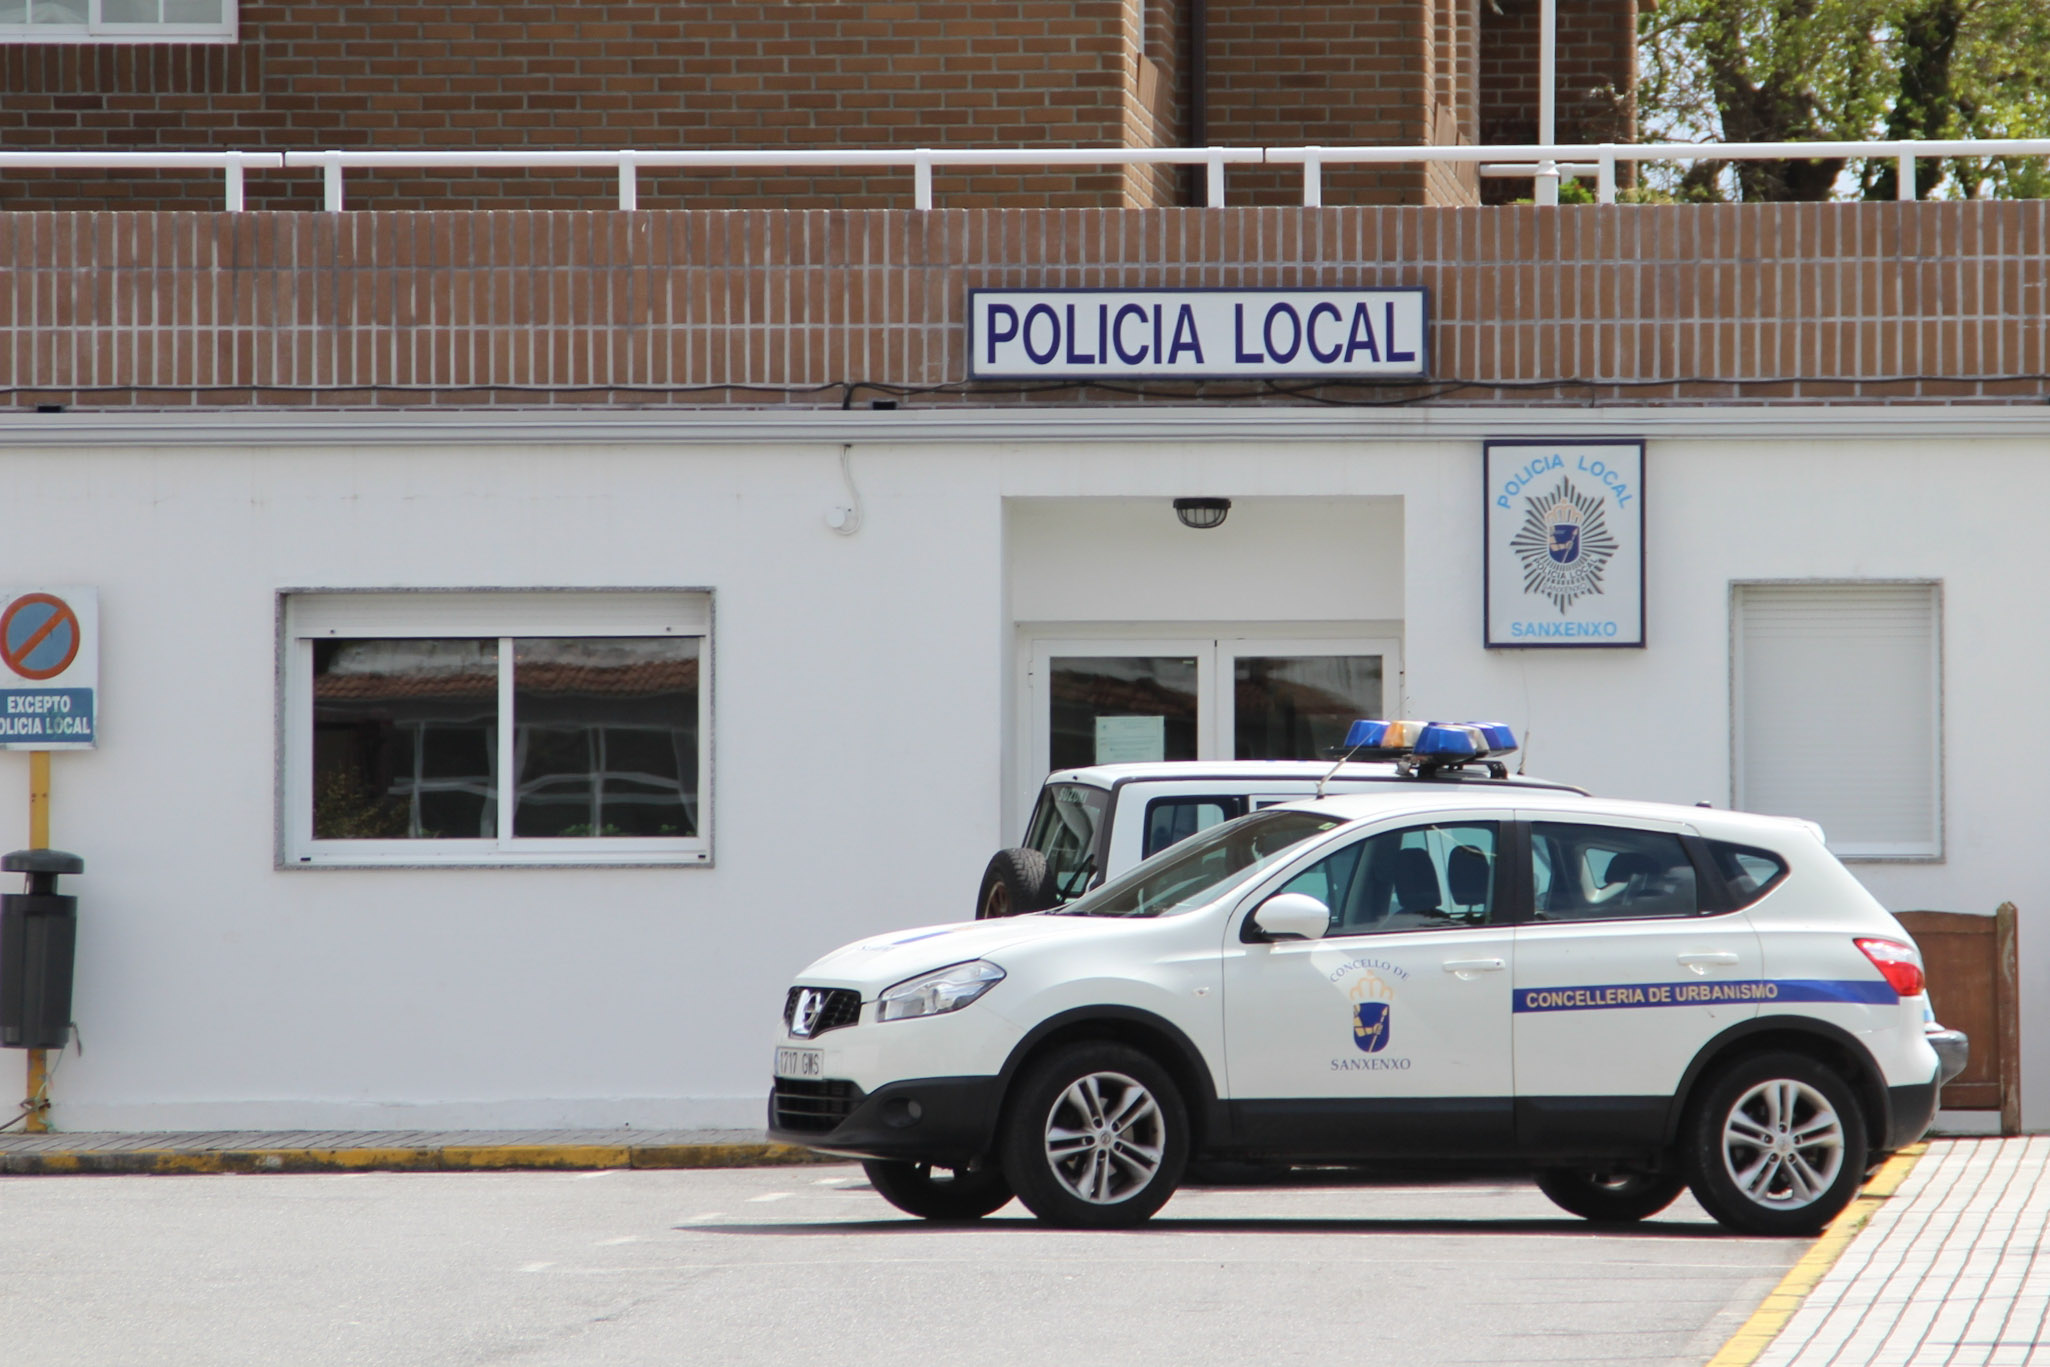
(938, 992)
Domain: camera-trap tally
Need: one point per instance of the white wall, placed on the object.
(216, 991)
(860, 724)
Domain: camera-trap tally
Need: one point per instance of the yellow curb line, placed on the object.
(456, 1158)
(1758, 1332)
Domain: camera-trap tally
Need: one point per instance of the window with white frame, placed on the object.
(1837, 690)
(117, 21)
(497, 727)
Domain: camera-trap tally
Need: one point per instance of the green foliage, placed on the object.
(1806, 70)
(345, 808)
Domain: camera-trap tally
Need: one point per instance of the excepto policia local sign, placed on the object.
(1197, 334)
(1565, 543)
(49, 668)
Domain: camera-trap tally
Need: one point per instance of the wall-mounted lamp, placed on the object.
(1202, 513)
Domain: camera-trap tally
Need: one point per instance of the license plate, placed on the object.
(800, 1063)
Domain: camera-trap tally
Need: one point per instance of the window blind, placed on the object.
(1838, 712)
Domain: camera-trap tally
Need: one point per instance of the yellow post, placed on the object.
(39, 799)
(38, 1102)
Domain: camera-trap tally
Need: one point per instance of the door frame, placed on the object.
(1212, 644)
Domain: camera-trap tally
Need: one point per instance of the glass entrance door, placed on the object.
(1113, 700)
(1295, 699)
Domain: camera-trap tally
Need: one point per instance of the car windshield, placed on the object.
(1202, 868)
(1064, 830)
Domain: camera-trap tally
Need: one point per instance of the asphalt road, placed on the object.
(806, 1265)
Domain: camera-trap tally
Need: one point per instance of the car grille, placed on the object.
(813, 1107)
(842, 1007)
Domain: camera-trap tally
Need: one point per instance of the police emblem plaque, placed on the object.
(1564, 543)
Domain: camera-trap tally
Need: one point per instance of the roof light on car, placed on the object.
(1425, 747)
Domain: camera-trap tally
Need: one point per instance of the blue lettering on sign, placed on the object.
(1532, 468)
(56, 716)
(1394, 355)
(1185, 338)
(1361, 338)
(1238, 338)
(1117, 334)
(996, 335)
(1295, 332)
(1563, 630)
(1615, 996)
(1611, 478)
(1323, 310)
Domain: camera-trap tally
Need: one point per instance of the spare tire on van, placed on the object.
(1016, 881)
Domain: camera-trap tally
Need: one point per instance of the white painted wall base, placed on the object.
(546, 1113)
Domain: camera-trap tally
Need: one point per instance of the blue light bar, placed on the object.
(1439, 742)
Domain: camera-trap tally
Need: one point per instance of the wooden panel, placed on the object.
(1971, 966)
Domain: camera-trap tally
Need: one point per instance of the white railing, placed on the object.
(1545, 164)
(1549, 163)
(921, 162)
(230, 164)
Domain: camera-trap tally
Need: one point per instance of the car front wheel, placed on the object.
(937, 1193)
(1610, 1197)
(1776, 1146)
(1097, 1137)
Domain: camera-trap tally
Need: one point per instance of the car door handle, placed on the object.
(1466, 968)
(1700, 962)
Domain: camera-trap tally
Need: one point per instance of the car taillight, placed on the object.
(1898, 963)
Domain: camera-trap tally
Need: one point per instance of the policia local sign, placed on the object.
(49, 668)
(1565, 543)
(1196, 334)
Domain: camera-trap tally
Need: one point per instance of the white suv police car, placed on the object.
(1629, 999)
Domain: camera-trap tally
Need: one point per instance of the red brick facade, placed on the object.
(773, 74)
(1596, 83)
(1926, 302)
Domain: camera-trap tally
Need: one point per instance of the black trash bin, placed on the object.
(38, 935)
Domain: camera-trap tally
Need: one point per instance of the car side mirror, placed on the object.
(1290, 916)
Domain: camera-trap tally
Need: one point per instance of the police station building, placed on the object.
(524, 640)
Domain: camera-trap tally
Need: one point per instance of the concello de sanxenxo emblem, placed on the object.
(1372, 1000)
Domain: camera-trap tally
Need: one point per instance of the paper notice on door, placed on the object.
(1130, 740)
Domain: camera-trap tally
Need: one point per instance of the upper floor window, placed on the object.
(117, 21)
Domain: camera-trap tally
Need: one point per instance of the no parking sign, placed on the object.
(49, 668)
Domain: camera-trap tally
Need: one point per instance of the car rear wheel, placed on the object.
(932, 1192)
(1096, 1137)
(1776, 1146)
(1608, 1197)
(1014, 882)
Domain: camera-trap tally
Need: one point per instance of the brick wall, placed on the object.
(1596, 74)
(1925, 302)
(1334, 75)
(767, 74)
(777, 74)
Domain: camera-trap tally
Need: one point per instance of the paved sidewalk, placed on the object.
(1951, 1270)
(389, 1150)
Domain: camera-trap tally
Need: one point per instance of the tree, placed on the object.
(1807, 70)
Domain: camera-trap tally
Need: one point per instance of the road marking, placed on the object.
(614, 1243)
(1757, 1333)
(772, 1196)
(536, 1267)
(587, 1176)
(699, 1219)
(832, 1181)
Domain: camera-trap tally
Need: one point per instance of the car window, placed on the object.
(1435, 877)
(1600, 873)
(1203, 867)
(1747, 872)
(1064, 828)
(1171, 820)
